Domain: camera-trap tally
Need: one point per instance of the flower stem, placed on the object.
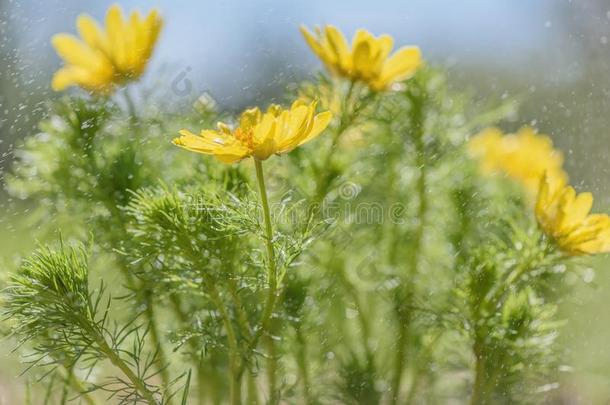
(417, 127)
(252, 390)
(303, 366)
(131, 111)
(423, 360)
(420, 163)
(365, 326)
(234, 383)
(135, 380)
(271, 271)
(478, 389)
(157, 344)
(272, 281)
(76, 384)
(242, 317)
(272, 370)
(64, 393)
(401, 346)
(195, 349)
(150, 312)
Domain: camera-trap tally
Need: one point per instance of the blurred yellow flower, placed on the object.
(368, 60)
(259, 134)
(564, 216)
(525, 156)
(104, 58)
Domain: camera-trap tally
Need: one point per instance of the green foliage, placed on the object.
(50, 305)
(395, 272)
(182, 232)
(50, 296)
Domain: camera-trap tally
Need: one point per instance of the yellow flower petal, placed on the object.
(148, 35)
(116, 36)
(385, 44)
(361, 61)
(320, 123)
(109, 56)
(298, 120)
(525, 156)
(367, 60)
(265, 129)
(580, 208)
(75, 52)
(338, 45)
(250, 118)
(63, 78)
(91, 33)
(312, 41)
(212, 143)
(72, 75)
(401, 65)
(259, 135)
(293, 126)
(564, 217)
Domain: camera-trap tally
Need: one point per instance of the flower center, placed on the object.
(245, 137)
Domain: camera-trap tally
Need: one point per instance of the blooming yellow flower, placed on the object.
(368, 60)
(104, 58)
(259, 134)
(564, 216)
(525, 156)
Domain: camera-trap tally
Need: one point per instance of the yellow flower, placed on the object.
(104, 58)
(525, 156)
(259, 134)
(564, 216)
(368, 60)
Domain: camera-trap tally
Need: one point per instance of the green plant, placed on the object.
(377, 264)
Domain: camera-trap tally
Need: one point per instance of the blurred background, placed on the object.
(554, 55)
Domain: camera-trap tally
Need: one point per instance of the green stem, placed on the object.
(49, 391)
(303, 366)
(242, 317)
(76, 385)
(271, 272)
(417, 125)
(252, 390)
(234, 360)
(135, 380)
(401, 347)
(28, 394)
(271, 280)
(478, 389)
(482, 381)
(201, 383)
(423, 361)
(150, 312)
(421, 186)
(158, 344)
(272, 365)
(195, 350)
(132, 112)
(362, 318)
(64, 391)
